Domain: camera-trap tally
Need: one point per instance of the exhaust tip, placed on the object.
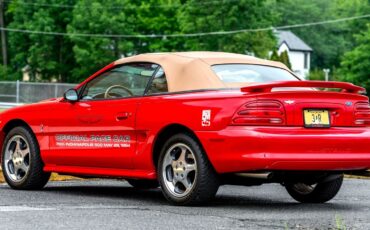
(261, 175)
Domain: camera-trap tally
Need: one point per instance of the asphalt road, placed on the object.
(110, 204)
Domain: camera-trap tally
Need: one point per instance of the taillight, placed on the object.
(362, 114)
(260, 112)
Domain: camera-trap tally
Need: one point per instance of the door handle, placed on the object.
(123, 116)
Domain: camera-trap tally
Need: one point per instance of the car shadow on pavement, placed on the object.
(111, 192)
(155, 197)
(271, 204)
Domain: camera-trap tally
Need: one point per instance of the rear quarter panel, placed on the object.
(157, 112)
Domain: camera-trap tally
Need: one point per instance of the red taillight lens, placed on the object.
(362, 114)
(261, 112)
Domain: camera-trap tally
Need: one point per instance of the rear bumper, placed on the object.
(238, 149)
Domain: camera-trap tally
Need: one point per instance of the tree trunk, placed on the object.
(4, 47)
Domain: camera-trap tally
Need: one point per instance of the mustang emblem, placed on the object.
(289, 102)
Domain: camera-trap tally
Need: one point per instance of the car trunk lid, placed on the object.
(312, 108)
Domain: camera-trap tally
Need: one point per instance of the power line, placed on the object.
(176, 5)
(200, 34)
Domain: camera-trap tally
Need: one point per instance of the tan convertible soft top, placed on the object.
(191, 70)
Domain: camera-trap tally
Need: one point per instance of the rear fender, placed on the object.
(2, 137)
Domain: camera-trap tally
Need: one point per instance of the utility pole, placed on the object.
(326, 71)
(4, 47)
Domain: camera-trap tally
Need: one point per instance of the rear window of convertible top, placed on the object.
(246, 73)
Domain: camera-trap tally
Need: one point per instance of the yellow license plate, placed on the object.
(316, 118)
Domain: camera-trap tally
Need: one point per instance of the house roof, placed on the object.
(292, 41)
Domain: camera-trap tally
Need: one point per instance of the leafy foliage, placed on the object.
(316, 74)
(152, 19)
(94, 17)
(228, 15)
(355, 64)
(46, 56)
(73, 58)
(283, 58)
(275, 56)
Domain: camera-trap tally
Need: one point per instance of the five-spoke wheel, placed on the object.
(17, 158)
(21, 161)
(179, 169)
(184, 172)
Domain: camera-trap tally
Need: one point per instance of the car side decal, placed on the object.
(93, 141)
(206, 118)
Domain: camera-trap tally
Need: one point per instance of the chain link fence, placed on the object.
(13, 93)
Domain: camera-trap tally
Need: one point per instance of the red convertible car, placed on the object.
(190, 122)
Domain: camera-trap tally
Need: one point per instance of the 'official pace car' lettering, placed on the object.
(93, 141)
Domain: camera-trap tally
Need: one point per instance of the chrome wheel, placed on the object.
(17, 158)
(184, 173)
(179, 170)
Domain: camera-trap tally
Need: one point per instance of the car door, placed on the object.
(99, 130)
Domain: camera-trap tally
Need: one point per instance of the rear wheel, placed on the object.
(143, 184)
(21, 162)
(184, 172)
(320, 192)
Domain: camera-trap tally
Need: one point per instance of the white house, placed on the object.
(298, 51)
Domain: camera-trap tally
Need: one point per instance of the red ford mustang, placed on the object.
(191, 122)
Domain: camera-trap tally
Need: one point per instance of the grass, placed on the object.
(339, 223)
(362, 175)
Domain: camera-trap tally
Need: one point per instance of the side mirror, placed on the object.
(71, 95)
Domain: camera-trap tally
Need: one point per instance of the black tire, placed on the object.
(206, 184)
(143, 184)
(321, 193)
(36, 178)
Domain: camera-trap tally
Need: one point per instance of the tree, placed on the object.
(355, 64)
(274, 56)
(225, 16)
(164, 17)
(158, 17)
(4, 48)
(284, 58)
(48, 57)
(96, 17)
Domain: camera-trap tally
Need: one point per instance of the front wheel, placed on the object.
(320, 192)
(21, 162)
(185, 174)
